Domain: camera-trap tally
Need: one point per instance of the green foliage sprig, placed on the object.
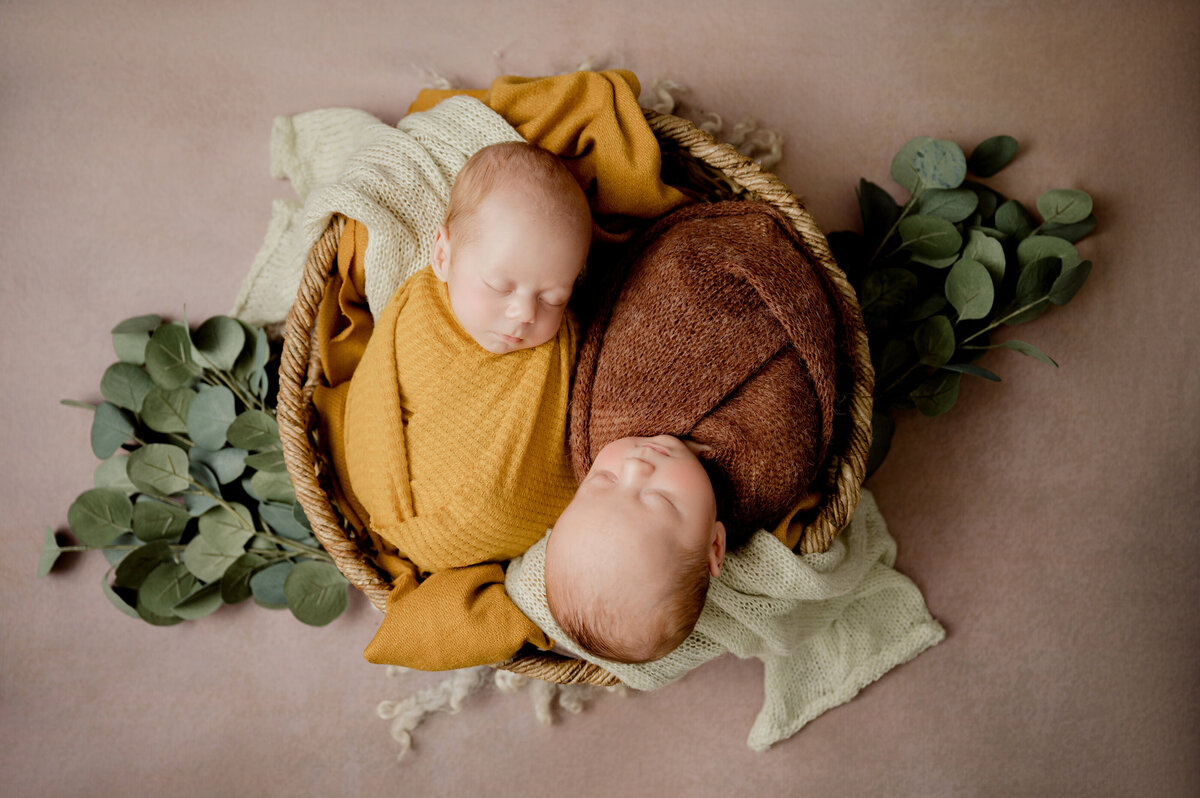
(958, 261)
(192, 503)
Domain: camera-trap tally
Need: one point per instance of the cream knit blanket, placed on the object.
(825, 625)
(395, 180)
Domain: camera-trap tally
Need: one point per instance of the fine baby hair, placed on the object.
(515, 240)
(548, 184)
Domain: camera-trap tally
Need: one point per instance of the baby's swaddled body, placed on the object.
(456, 456)
(724, 334)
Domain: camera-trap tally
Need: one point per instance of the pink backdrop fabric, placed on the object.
(1051, 520)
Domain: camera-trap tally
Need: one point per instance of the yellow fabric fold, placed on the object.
(455, 457)
(592, 121)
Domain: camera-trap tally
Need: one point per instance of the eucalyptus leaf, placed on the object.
(235, 582)
(227, 464)
(937, 263)
(159, 469)
(50, 553)
(258, 383)
(204, 600)
(316, 592)
(1029, 350)
(989, 200)
(158, 520)
(117, 600)
(903, 171)
(118, 549)
(940, 164)
(227, 530)
(934, 340)
(969, 289)
(111, 474)
(992, 155)
(1013, 220)
(210, 414)
(300, 517)
(272, 487)
(254, 430)
(930, 236)
(280, 518)
(886, 291)
(271, 460)
(164, 587)
(882, 428)
(1033, 290)
(219, 341)
(953, 205)
(897, 355)
(879, 211)
(1040, 247)
(254, 354)
(926, 308)
(1069, 282)
(134, 569)
(198, 504)
(169, 357)
(937, 394)
(208, 560)
(99, 515)
(204, 476)
(988, 251)
(1064, 206)
(111, 427)
(153, 618)
(131, 336)
(973, 370)
(1071, 232)
(267, 585)
(126, 385)
(166, 410)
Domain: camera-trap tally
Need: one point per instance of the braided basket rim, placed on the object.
(299, 374)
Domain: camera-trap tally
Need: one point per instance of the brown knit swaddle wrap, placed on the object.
(724, 332)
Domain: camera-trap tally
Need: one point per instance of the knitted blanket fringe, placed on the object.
(449, 695)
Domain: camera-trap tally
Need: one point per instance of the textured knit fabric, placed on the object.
(395, 180)
(824, 625)
(456, 457)
(592, 121)
(725, 333)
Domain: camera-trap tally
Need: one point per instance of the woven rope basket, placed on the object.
(711, 171)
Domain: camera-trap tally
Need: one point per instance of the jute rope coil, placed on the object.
(299, 374)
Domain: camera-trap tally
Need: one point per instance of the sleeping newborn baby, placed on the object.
(628, 564)
(702, 410)
(456, 415)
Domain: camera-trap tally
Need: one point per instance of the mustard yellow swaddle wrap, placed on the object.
(456, 457)
(592, 121)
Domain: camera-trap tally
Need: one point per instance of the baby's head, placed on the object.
(516, 237)
(628, 562)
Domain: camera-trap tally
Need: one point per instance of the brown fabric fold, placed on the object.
(722, 331)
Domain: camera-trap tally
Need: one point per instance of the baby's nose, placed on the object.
(636, 467)
(521, 310)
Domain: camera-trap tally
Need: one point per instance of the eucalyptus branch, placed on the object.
(1002, 320)
(117, 547)
(294, 544)
(908, 206)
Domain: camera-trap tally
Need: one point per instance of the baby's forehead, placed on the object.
(608, 522)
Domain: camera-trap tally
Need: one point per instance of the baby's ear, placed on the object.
(716, 555)
(440, 255)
